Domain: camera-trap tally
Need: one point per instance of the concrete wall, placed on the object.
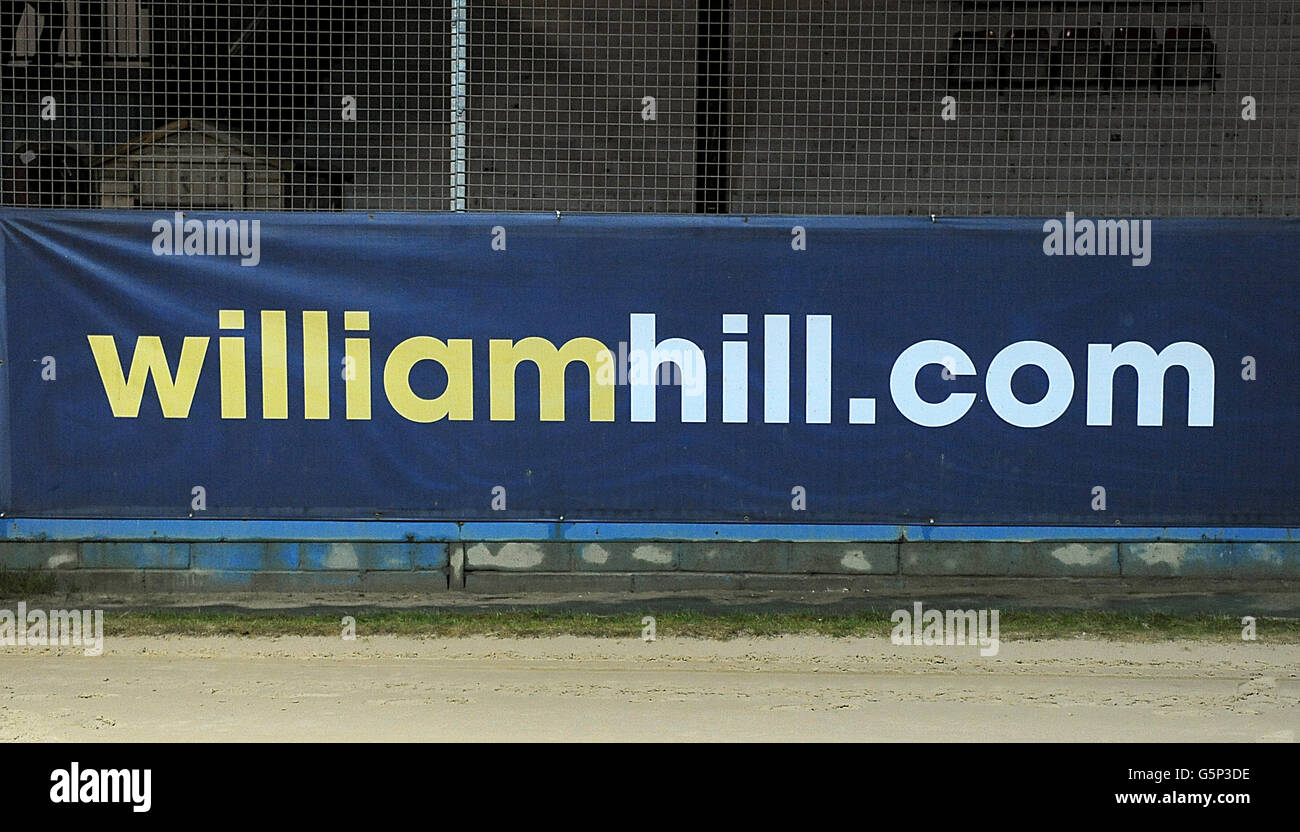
(625, 565)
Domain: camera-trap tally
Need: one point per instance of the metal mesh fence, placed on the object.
(681, 106)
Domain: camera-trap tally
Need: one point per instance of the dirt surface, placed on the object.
(788, 688)
(1273, 596)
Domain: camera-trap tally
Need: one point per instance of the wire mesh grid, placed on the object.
(947, 107)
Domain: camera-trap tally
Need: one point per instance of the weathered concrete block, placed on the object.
(303, 581)
(489, 582)
(135, 555)
(1212, 558)
(622, 556)
(943, 558)
(15, 554)
(244, 555)
(432, 580)
(373, 556)
(684, 581)
(1053, 559)
(519, 556)
(348, 555)
(1041, 559)
(107, 580)
(190, 580)
(844, 558)
(1266, 559)
(842, 584)
(431, 555)
(1168, 559)
(756, 556)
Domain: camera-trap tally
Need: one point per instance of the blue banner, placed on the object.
(1057, 371)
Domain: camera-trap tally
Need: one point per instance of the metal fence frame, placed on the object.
(893, 107)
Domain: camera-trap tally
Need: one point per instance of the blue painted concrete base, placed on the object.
(179, 556)
(198, 529)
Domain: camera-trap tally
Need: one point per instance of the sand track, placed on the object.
(794, 687)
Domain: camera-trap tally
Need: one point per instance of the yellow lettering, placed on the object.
(357, 352)
(315, 365)
(234, 392)
(124, 393)
(456, 357)
(275, 365)
(505, 357)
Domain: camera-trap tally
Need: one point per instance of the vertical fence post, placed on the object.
(459, 82)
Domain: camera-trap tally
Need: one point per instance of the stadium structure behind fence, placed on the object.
(892, 107)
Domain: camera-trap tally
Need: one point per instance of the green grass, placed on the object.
(541, 623)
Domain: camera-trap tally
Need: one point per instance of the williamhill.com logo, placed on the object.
(210, 238)
(124, 373)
